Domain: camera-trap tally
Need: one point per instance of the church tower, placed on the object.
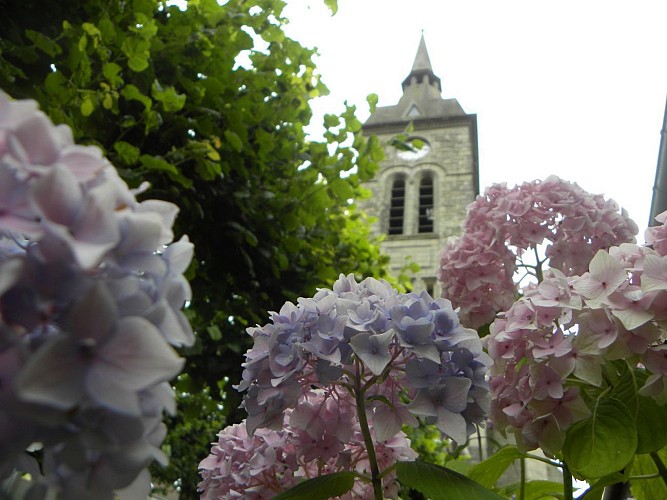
(429, 175)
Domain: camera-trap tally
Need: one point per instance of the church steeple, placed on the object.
(422, 73)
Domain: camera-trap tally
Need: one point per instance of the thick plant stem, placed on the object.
(522, 486)
(376, 480)
(567, 483)
(660, 465)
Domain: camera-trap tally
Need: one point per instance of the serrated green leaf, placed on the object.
(603, 443)
(320, 488)
(436, 482)
(489, 471)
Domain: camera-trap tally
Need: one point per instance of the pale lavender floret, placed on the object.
(91, 291)
(373, 349)
(316, 342)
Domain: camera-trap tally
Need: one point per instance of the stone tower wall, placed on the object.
(452, 161)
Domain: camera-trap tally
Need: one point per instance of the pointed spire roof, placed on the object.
(422, 61)
(421, 100)
(421, 72)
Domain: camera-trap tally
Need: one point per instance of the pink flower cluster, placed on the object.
(91, 291)
(567, 328)
(308, 444)
(477, 270)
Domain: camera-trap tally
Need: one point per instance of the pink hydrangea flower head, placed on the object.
(477, 270)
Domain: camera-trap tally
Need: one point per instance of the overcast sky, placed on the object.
(573, 88)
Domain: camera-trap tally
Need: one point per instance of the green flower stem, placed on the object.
(522, 485)
(376, 480)
(542, 459)
(643, 477)
(660, 465)
(567, 483)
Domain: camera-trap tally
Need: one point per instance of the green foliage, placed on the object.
(435, 481)
(537, 490)
(320, 488)
(489, 471)
(603, 443)
(648, 489)
(209, 105)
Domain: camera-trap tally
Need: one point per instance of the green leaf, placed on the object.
(171, 100)
(597, 488)
(489, 471)
(331, 121)
(87, 106)
(91, 29)
(603, 443)
(137, 51)
(250, 238)
(320, 488)
(341, 189)
(435, 482)
(234, 140)
(127, 153)
(536, 490)
(651, 425)
(55, 84)
(132, 93)
(160, 165)
(648, 489)
(333, 6)
(214, 332)
(111, 72)
(43, 43)
(372, 100)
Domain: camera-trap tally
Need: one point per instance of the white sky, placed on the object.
(573, 88)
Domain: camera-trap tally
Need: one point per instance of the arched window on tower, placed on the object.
(426, 214)
(397, 205)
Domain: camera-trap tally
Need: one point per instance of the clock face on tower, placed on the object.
(416, 148)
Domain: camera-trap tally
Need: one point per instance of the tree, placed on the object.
(209, 105)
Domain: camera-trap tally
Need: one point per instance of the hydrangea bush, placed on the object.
(331, 380)
(91, 291)
(578, 351)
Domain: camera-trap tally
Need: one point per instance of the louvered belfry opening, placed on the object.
(397, 206)
(426, 204)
